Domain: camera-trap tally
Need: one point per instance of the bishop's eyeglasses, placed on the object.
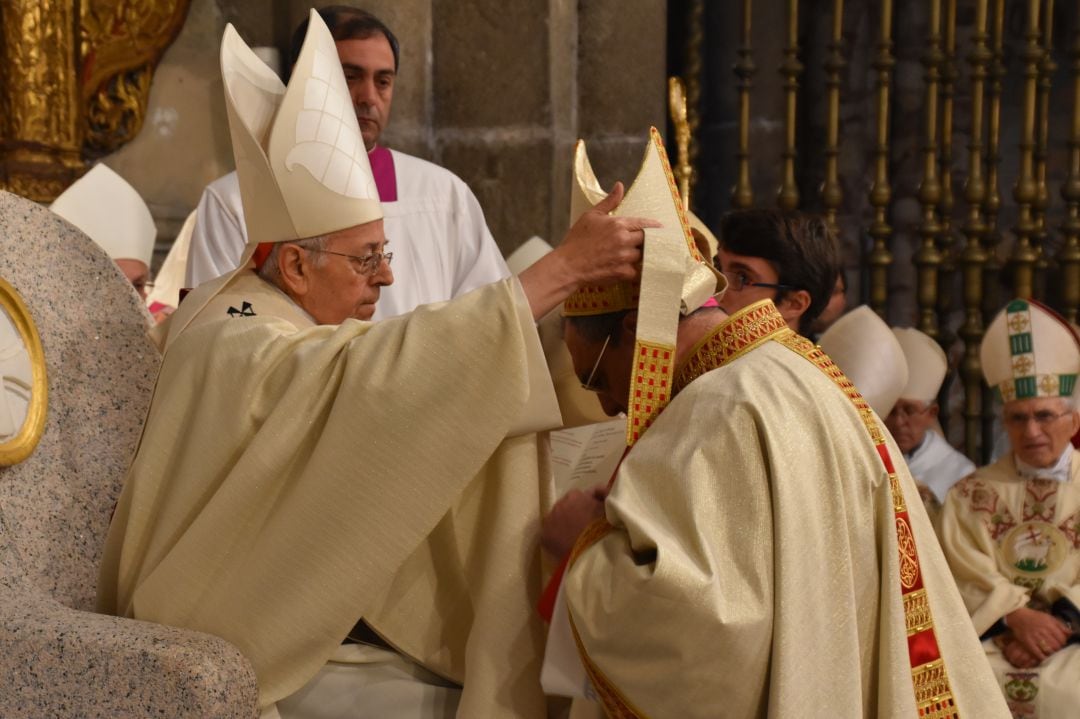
(366, 265)
(588, 383)
(1042, 418)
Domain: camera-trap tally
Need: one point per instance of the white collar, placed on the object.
(1059, 472)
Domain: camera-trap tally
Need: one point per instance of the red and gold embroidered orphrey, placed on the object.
(745, 330)
(929, 679)
(650, 386)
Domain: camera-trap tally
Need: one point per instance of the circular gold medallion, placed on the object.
(23, 385)
(1035, 548)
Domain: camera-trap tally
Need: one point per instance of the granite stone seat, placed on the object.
(57, 657)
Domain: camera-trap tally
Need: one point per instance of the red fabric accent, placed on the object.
(1076, 440)
(883, 452)
(923, 648)
(546, 605)
(261, 253)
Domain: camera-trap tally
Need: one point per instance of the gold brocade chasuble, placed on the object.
(293, 478)
(759, 559)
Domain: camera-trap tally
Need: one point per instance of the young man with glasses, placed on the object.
(1011, 531)
(790, 258)
(934, 463)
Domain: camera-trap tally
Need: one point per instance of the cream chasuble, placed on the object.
(293, 478)
(1015, 542)
(750, 564)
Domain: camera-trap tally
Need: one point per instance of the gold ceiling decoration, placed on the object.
(74, 83)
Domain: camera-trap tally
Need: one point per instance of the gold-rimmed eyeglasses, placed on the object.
(366, 265)
(588, 383)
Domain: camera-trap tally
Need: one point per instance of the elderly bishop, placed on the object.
(1011, 531)
(353, 505)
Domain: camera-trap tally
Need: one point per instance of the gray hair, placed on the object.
(270, 271)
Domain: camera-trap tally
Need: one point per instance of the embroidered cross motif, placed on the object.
(1040, 500)
(1023, 365)
(1048, 385)
(244, 311)
(1018, 323)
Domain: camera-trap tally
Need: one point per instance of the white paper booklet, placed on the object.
(586, 456)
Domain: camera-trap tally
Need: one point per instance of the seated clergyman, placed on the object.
(1011, 531)
(934, 463)
(306, 478)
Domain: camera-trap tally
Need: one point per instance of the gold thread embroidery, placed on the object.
(899, 506)
(909, 561)
(743, 331)
(650, 386)
(917, 616)
(931, 683)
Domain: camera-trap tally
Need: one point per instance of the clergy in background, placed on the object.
(352, 504)
(868, 353)
(112, 214)
(1011, 531)
(934, 463)
(442, 245)
(760, 552)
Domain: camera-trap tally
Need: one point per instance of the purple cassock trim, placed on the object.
(382, 167)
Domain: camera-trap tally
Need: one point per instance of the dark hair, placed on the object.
(596, 328)
(345, 23)
(800, 247)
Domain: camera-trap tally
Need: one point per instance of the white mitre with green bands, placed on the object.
(1029, 351)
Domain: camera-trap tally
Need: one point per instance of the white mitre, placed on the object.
(527, 254)
(868, 353)
(111, 213)
(926, 363)
(1029, 351)
(300, 159)
(301, 162)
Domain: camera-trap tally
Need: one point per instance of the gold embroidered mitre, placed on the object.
(1029, 351)
(675, 278)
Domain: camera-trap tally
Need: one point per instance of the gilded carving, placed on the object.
(23, 385)
(74, 83)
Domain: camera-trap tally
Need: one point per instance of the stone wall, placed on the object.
(498, 92)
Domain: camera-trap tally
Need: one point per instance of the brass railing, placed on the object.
(960, 251)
